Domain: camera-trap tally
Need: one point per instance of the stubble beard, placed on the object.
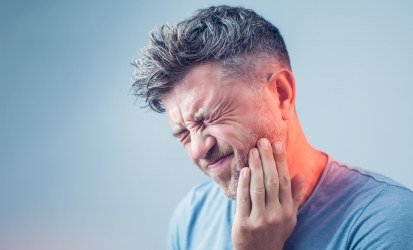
(242, 159)
(275, 132)
(241, 162)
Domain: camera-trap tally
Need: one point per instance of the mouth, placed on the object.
(217, 166)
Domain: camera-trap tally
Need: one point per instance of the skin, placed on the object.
(267, 202)
(245, 135)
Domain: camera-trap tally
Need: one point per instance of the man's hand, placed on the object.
(267, 200)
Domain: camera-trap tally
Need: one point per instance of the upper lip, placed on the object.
(216, 160)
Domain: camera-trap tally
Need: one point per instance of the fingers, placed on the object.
(267, 200)
(283, 175)
(271, 180)
(266, 184)
(257, 187)
(243, 194)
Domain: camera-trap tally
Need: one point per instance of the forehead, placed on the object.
(203, 88)
(196, 83)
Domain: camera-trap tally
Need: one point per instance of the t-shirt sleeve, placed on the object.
(386, 222)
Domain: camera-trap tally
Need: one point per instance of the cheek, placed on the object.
(238, 137)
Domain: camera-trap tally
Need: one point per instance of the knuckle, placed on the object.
(274, 219)
(259, 189)
(245, 200)
(288, 214)
(256, 164)
(284, 181)
(249, 226)
(272, 181)
(244, 226)
(258, 225)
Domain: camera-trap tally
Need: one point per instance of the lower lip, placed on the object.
(219, 165)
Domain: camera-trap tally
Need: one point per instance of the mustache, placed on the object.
(216, 153)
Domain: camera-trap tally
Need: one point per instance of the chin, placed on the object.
(230, 189)
(229, 184)
(229, 193)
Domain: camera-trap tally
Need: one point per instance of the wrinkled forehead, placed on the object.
(203, 90)
(198, 86)
(194, 80)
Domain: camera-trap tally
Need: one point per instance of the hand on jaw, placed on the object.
(267, 200)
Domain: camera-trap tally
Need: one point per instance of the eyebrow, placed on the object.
(199, 117)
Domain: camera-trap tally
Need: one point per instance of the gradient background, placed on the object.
(82, 167)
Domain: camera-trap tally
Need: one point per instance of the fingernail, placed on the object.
(278, 147)
(244, 172)
(254, 153)
(263, 143)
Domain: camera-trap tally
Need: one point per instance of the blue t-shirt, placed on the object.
(349, 209)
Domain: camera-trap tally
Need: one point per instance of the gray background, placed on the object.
(83, 168)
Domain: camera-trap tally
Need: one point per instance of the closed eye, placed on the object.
(181, 135)
(178, 133)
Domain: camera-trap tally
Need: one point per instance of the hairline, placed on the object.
(256, 71)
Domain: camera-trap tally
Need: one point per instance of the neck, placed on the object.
(303, 158)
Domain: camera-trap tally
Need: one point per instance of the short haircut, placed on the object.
(223, 34)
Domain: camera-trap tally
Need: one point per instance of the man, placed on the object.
(224, 79)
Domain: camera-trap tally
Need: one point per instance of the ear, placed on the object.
(284, 84)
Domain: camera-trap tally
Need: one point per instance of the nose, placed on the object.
(200, 145)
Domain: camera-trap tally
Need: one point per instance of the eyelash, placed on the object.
(183, 137)
(199, 124)
(185, 134)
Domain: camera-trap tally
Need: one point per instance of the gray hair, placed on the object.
(223, 34)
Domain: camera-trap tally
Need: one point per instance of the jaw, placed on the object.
(230, 190)
(229, 187)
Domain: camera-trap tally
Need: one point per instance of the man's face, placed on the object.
(219, 119)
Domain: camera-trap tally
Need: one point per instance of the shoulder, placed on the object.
(386, 221)
(370, 190)
(359, 183)
(339, 169)
(384, 209)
